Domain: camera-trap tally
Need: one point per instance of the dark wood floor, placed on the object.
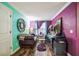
(31, 52)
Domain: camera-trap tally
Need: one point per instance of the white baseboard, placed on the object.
(68, 54)
(15, 51)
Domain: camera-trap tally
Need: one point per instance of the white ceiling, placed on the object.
(40, 9)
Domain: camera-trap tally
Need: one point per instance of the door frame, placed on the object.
(6, 9)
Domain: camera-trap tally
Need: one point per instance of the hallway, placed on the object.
(33, 52)
(24, 24)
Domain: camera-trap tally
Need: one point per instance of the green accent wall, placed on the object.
(15, 15)
(15, 31)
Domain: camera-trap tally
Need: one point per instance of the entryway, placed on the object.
(5, 31)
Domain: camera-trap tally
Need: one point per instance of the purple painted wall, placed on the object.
(77, 29)
(69, 25)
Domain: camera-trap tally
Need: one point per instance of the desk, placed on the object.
(26, 41)
(41, 38)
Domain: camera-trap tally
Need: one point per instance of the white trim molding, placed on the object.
(15, 51)
(65, 6)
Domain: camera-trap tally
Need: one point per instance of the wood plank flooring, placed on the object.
(31, 52)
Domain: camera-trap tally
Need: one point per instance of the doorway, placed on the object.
(5, 31)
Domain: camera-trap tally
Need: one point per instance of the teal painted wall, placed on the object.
(15, 32)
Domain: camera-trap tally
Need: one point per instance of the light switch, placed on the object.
(71, 31)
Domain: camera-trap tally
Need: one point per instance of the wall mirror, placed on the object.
(58, 26)
(21, 25)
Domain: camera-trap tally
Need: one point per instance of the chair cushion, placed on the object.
(41, 47)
